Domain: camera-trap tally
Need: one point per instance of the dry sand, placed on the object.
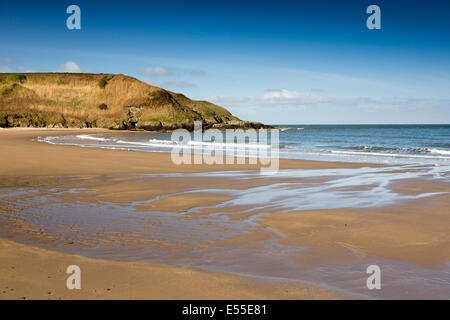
(33, 273)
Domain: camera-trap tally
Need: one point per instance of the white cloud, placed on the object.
(155, 71)
(69, 66)
(279, 94)
(286, 96)
(276, 97)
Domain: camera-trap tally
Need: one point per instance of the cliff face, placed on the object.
(102, 100)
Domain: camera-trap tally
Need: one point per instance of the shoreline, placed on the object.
(88, 160)
(409, 231)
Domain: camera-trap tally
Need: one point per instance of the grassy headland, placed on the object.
(70, 100)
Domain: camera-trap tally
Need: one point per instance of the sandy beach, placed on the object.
(408, 230)
(28, 272)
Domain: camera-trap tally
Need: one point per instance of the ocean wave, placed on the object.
(286, 129)
(403, 150)
(439, 151)
(144, 144)
(387, 154)
(193, 144)
(171, 142)
(370, 148)
(232, 145)
(88, 137)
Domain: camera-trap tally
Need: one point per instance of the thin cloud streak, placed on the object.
(155, 71)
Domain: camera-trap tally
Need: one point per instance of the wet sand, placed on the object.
(413, 231)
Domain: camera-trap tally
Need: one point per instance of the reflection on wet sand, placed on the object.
(288, 226)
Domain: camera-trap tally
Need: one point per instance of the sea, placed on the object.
(388, 144)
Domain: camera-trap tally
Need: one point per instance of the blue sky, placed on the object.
(271, 61)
